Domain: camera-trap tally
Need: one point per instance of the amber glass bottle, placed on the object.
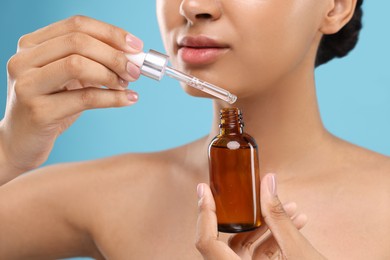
(234, 175)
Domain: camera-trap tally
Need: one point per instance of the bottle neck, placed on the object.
(231, 121)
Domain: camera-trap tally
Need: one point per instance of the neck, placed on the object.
(284, 121)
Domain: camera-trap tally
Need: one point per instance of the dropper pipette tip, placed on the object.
(231, 98)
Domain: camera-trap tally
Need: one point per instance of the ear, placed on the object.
(338, 14)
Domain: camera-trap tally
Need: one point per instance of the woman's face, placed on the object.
(245, 46)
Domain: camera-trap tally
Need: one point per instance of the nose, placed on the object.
(200, 10)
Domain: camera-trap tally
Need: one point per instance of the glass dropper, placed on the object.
(154, 65)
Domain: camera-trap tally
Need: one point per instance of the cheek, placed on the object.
(168, 19)
(269, 39)
(271, 43)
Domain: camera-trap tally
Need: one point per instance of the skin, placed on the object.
(282, 220)
(57, 73)
(108, 208)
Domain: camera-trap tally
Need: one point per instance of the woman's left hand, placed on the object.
(284, 242)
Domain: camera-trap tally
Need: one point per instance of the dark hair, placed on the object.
(341, 43)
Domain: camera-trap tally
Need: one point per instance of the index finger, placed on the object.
(107, 33)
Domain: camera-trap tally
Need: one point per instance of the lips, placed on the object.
(201, 50)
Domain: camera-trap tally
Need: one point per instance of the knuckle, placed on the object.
(276, 210)
(24, 41)
(202, 244)
(117, 61)
(113, 32)
(203, 206)
(87, 98)
(37, 111)
(13, 65)
(18, 88)
(21, 84)
(206, 206)
(76, 41)
(119, 98)
(111, 79)
(73, 65)
(76, 22)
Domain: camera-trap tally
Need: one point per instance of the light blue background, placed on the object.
(354, 92)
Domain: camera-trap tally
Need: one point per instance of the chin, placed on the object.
(195, 92)
(235, 83)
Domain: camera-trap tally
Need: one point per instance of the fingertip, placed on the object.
(205, 198)
(206, 193)
(269, 184)
(200, 190)
(300, 220)
(133, 71)
(304, 218)
(272, 184)
(131, 96)
(133, 43)
(123, 83)
(290, 208)
(207, 225)
(202, 197)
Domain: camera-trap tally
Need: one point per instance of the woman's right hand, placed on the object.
(58, 72)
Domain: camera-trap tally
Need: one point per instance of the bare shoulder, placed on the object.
(117, 197)
(369, 175)
(101, 198)
(90, 179)
(356, 195)
(367, 171)
(370, 163)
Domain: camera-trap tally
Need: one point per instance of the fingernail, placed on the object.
(134, 42)
(123, 83)
(272, 184)
(132, 96)
(200, 190)
(133, 70)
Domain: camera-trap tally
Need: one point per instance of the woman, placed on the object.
(143, 206)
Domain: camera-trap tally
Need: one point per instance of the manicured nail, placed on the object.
(134, 42)
(133, 70)
(123, 83)
(132, 96)
(272, 184)
(200, 190)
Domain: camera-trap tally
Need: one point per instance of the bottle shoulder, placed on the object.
(242, 140)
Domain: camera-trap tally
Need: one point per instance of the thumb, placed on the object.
(271, 206)
(282, 227)
(207, 241)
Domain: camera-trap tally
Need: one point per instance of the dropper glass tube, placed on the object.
(155, 65)
(201, 85)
